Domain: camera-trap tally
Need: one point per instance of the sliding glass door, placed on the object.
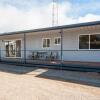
(13, 48)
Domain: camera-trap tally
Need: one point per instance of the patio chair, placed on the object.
(35, 55)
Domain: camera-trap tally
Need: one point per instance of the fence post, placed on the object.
(24, 48)
(61, 34)
(0, 54)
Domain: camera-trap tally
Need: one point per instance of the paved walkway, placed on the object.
(24, 83)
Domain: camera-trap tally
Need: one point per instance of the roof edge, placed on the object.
(54, 28)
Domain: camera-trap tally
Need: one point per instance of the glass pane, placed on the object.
(12, 49)
(95, 41)
(56, 41)
(59, 40)
(18, 48)
(48, 42)
(84, 42)
(7, 48)
(44, 42)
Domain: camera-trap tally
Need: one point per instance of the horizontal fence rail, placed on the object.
(62, 59)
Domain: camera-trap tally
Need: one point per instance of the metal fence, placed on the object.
(49, 56)
(52, 58)
(31, 56)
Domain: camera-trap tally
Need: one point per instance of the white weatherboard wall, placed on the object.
(91, 56)
(71, 47)
(35, 42)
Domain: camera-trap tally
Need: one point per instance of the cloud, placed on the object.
(12, 19)
(15, 19)
(89, 17)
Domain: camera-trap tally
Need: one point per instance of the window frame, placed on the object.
(15, 52)
(57, 38)
(46, 39)
(89, 41)
(79, 41)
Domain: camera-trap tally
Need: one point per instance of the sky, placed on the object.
(16, 15)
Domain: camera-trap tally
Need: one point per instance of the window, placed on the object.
(57, 40)
(95, 41)
(13, 48)
(46, 43)
(89, 41)
(84, 42)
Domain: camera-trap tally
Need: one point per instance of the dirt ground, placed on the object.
(27, 83)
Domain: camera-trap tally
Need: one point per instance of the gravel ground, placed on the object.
(24, 83)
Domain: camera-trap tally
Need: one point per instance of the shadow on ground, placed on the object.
(84, 78)
(16, 69)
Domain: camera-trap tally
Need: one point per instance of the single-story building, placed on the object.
(76, 42)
